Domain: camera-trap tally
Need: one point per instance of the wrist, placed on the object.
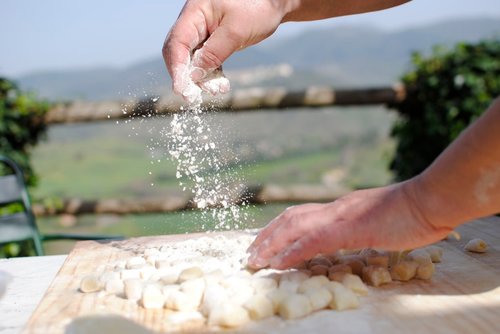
(427, 205)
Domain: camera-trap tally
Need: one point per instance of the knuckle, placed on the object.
(209, 59)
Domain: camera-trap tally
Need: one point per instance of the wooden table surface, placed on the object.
(472, 299)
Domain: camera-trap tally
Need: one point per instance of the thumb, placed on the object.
(221, 44)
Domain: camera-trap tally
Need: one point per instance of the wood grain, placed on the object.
(462, 297)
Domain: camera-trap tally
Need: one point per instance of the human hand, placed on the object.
(388, 218)
(216, 29)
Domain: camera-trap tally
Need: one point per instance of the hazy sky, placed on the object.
(60, 34)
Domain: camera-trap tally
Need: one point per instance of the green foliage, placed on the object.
(446, 92)
(21, 125)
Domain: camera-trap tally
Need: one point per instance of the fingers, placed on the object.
(290, 226)
(275, 223)
(188, 32)
(222, 43)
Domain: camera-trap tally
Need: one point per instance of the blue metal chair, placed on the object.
(21, 225)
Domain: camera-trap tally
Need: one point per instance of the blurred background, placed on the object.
(59, 51)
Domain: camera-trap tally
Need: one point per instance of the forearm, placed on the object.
(310, 10)
(464, 182)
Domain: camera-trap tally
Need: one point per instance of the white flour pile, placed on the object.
(196, 148)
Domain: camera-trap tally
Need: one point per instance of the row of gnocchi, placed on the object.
(215, 298)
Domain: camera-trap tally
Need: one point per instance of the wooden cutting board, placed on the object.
(462, 297)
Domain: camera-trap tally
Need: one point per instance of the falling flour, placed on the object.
(195, 145)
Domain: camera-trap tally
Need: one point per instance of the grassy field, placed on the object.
(108, 160)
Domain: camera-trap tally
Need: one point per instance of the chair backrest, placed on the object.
(16, 226)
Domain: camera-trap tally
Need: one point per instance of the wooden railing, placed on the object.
(255, 99)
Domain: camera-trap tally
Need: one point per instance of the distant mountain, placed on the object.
(347, 56)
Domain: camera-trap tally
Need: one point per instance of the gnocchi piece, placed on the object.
(277, 296)
(130, 273)
(180, 301)
(419, 255)
(152, 297)
(320, 260)
(425, 270)
(90, 283)
(354, 283)
(395, 257)
(365, 252)
(319, 269)
(289, 286)
(376, 276)
(190, 273)
(343, 252)
(169, 277)
(264, 284)
(295, 306)
(109, 275)
(319, 297)
(314, 282)
(339, 268)
(135, 262)
(355, 262)
(214, 297)
(404, 270)
(147, 271)
(296, 276)
(453, 235)
(213, 277)
(151, 251)
(435, 252)
(115, 286)
(194, 289)
(259, 307)
(133, 289)
(377, 260)
(162, 263)
(342, 297)
(184, 321)
(476, 246)
(338, 276)
(229, 315)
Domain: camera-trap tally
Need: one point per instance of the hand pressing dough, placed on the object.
(404, 270)
(259, 307)
(90, 283)
(354, 283)
(425, 270)
(229, 315)
(342, 297)
(152, 297)
(376, 276)
(319, 297)
(295, 306)
(476, 246)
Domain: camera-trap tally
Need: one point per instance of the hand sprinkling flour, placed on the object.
(195, 145)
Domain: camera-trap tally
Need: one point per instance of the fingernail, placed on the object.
(198, 74)
(257, 262)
